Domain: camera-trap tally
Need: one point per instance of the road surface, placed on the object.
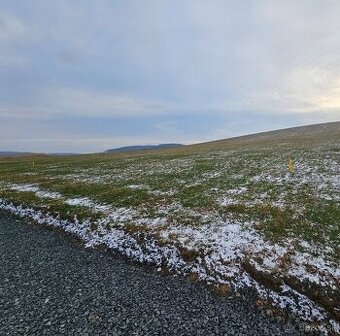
(51, 285)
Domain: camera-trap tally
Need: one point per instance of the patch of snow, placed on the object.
(24, 187)
(138, 186)
(87, 202)
(48, 194)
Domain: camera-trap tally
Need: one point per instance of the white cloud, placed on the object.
(93, 103)
(108, 59)
(15, 36)
(170, 126)
(11, 28)
(56, 103)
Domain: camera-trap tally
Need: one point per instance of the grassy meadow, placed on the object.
(228, 212)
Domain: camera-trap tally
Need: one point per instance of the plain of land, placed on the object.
(228, 213)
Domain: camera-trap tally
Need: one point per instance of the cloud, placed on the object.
(59, 103)
(165, 69)
(168, 126)
(90, 103)
(18, 38)
(11, 28)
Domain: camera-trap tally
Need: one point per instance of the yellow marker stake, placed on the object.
(33, 164)
(291, 166)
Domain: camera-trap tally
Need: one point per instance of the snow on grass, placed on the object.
(303, 261)
(223, 248)
(214, 251)
(25, 187)
(88, 203)
(229, 216)
(48, 194)
(138, 186)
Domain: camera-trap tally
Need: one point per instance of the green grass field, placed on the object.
(229, 209)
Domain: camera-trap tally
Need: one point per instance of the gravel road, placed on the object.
(51, 285)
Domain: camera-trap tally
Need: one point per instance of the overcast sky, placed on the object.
(88, 75)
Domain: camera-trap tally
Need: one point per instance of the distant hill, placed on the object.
(62, 154)
(10, 154)
(15, 154)
(142, 148)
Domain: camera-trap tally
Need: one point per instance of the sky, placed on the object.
(89, 75)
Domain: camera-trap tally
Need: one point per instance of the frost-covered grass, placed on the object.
(228, 213)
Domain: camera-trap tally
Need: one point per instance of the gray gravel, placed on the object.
(51, 285)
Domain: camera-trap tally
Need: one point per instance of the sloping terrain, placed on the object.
(228, 213)
(305, 135)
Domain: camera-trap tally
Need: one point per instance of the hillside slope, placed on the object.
(310, 134)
